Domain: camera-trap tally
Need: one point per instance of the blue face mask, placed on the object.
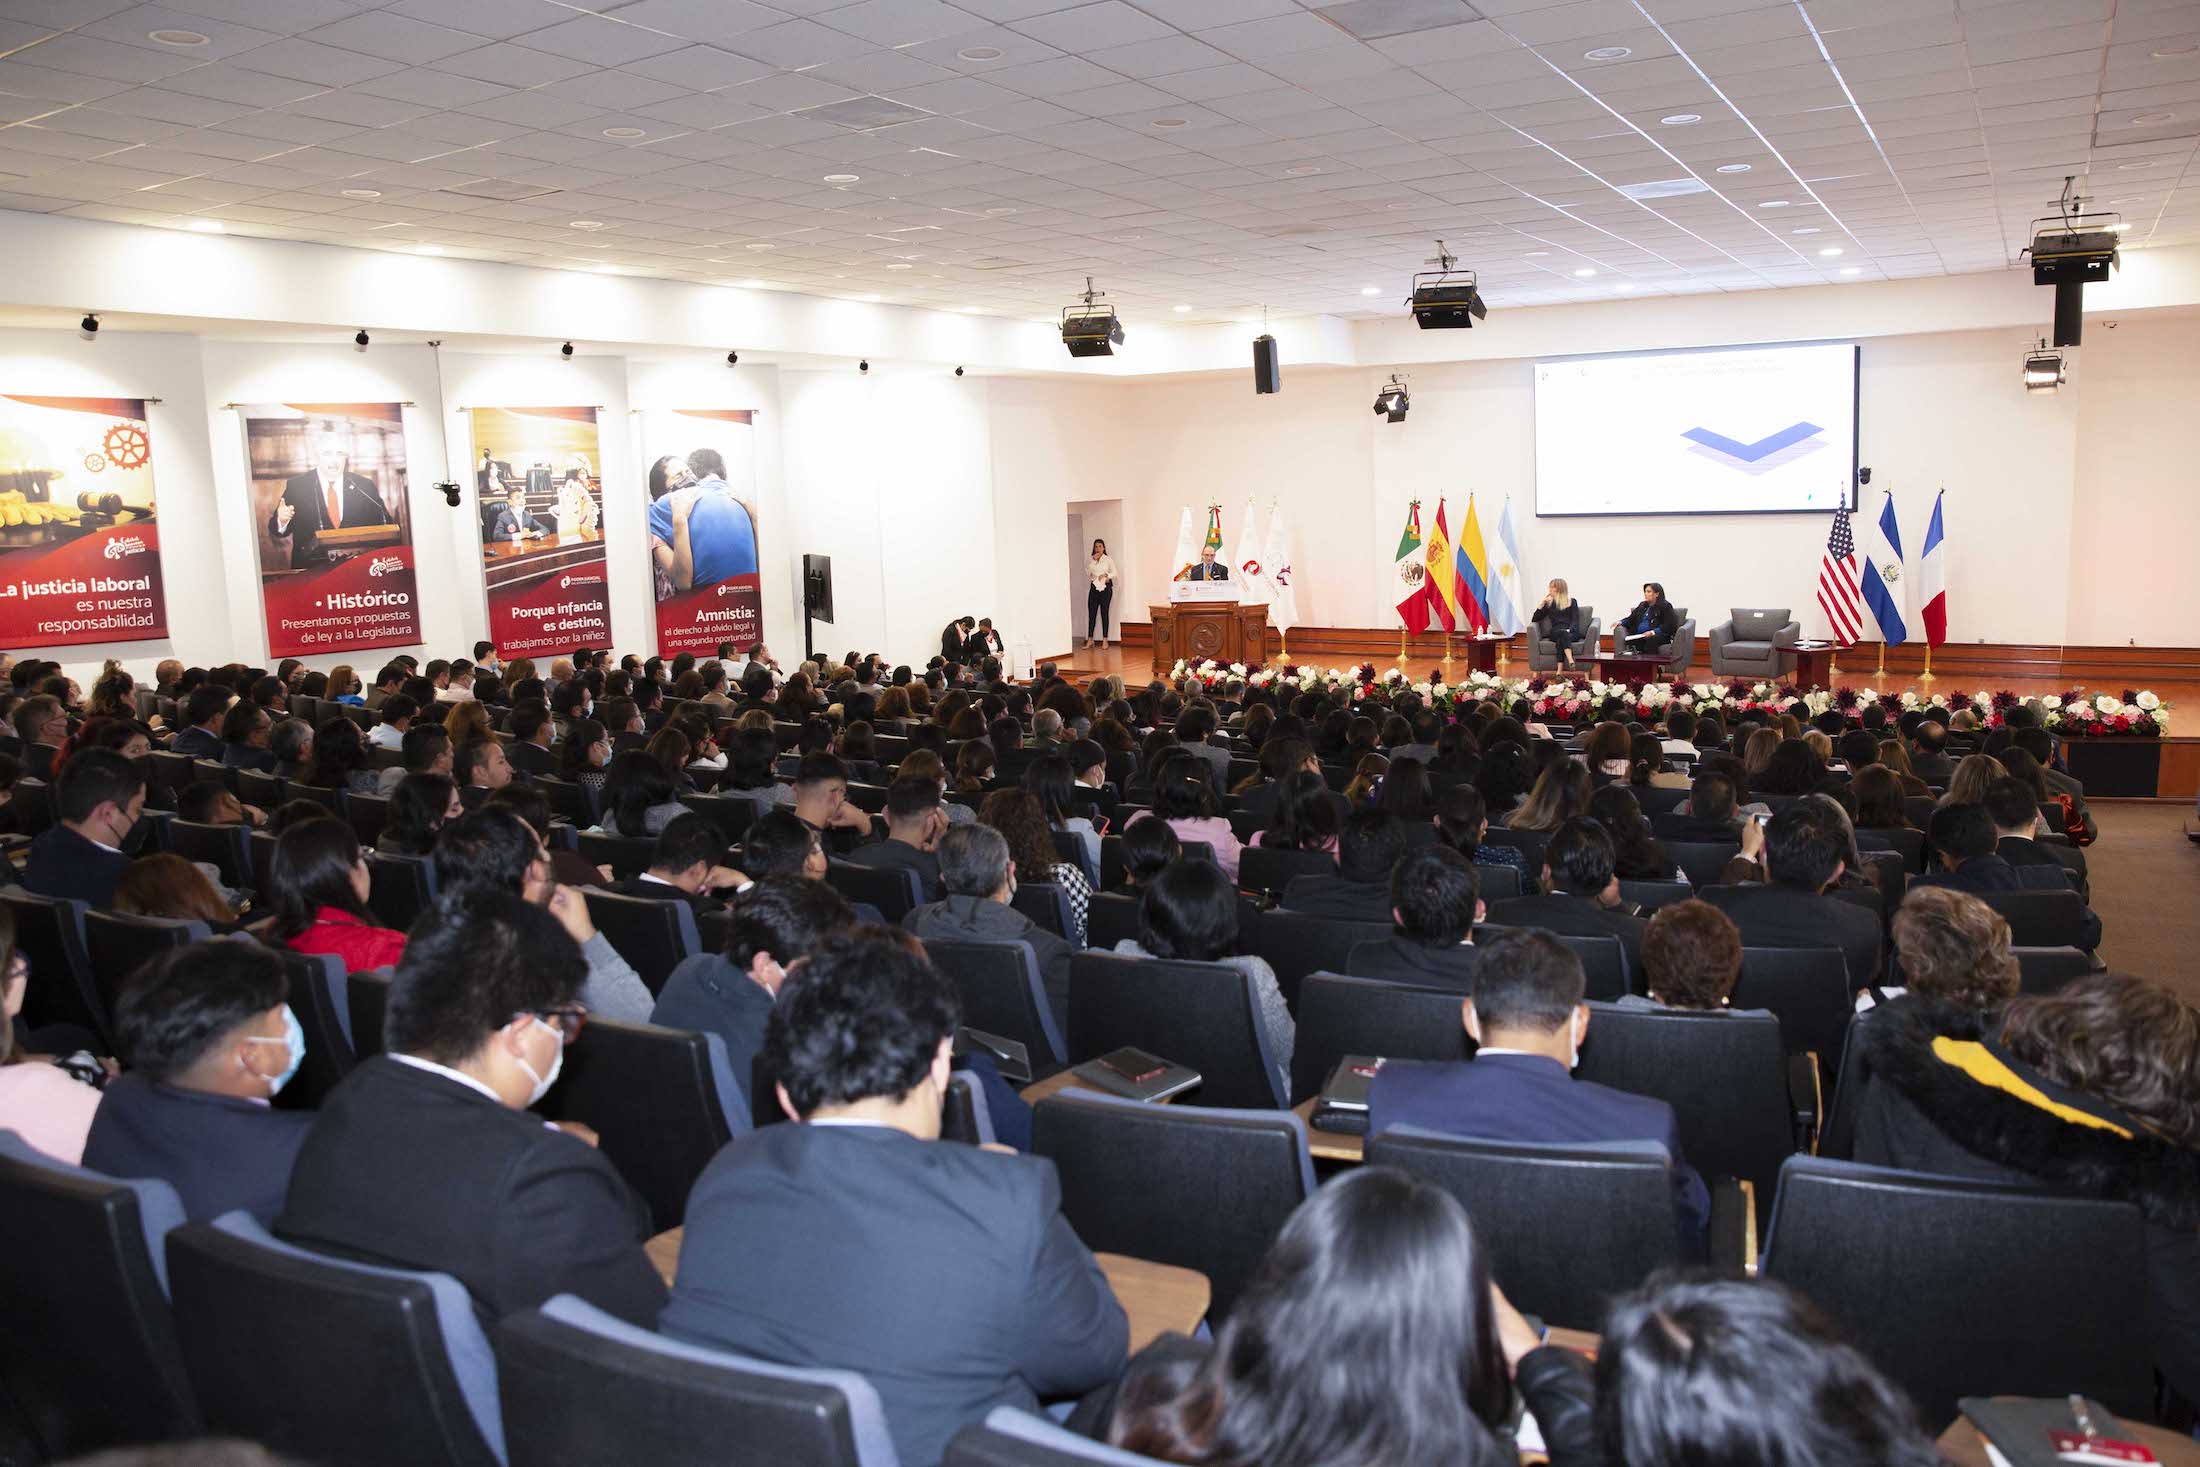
(294, 1040)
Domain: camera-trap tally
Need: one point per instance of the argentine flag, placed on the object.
(1883, 573)
(1505, 576)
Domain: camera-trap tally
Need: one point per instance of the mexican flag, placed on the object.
(1412, 574)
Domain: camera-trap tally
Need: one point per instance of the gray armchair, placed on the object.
(1755, 643)
(1543, 653)
(1676, 654)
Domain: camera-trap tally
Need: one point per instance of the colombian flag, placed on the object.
(1442, 575)
(1474, 572)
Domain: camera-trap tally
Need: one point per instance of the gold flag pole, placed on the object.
(1447, 654)
(1880, 674)
(1927, 675)
(1404, 646)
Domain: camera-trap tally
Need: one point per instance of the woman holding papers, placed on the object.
(1647, 628)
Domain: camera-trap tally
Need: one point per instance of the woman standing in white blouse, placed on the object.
(1100, 570)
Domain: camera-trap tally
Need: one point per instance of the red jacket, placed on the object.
(363, 947)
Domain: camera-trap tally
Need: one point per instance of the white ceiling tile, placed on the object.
(283, 17)
(697, 20)
(799, 43)
(510, 64)
(61, 14)
(496, 20)
(109, 59)
(136, 25)
(45, 84)
(309, 61)
(601, 42)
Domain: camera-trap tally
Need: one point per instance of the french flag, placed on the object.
(1932, 579)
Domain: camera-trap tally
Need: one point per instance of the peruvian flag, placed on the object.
(1932, 579)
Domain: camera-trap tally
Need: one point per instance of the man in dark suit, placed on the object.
(511, 519)
(43, 726)
(1711, 816)
(2040, 744)
(776, 923)
(529, 746)
(915, 821)
(1965, 842)
(203, 712)
(984, 642)
(426, 1157)
(687, 865)
(1367, 849)
(81, 856)
(246, 732)
(1207, 568)
(328, 496)
(1580, 893)
(944, 1274)
(211, 1040)
(2014, 812)
(979, 879)
(1805, 852)
(955, 639)
(1929, 759)
(1528, 1017)
(1435, 898)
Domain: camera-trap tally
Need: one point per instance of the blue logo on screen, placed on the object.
(1750, 453)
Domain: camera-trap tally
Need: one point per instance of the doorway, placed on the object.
(1090, 520)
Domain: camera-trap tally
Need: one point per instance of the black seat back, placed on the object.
(329, 799)
(1702, 860)
(227, 848)
(119, 944)
(1002, 994)
(1603, 961)
(1269, 871)
(2045, 969)
(1143, 1180)
(1295, 945)
(1497, 883)
(732, 816)
(369, 815)
(1199, 1014)
(32, 802)
(626, 855)
(319, 989)
(1808, 987)
(258, 787)
(1651, 895)
(891, 889)
(661, 1103)
(1110, 917)
(1920, 1270)
(400, 888)
(1340, 1016)
(1045, 903)
(367, 1002)
(262, 846)
(1567, 1227)
(2040, 918)
(49, 933)
(89, 1353)
(654, 934)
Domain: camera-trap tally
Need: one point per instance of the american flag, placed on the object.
(1838, 596)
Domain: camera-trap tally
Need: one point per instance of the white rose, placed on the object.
(2107, 706)
(1909, 700)
(1760, 690)
(2147, 701)
(1982, 699)
(2050, 703)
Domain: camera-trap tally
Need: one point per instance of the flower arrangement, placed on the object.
(2137, 713)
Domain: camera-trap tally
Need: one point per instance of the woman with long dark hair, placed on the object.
(1303, 817)
(1183, 796)
(1052, 782)
(587, 749)
(420, 806)
(1561, 792)
(639, 798)
(1404, 793)
(1636, 854)
(319, 884)
(1015, 813)
(1370, 1336)
(339, 760)
(1793, 769)
(1463, 819)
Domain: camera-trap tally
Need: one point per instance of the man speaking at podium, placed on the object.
(328, 496)
(1207, 568)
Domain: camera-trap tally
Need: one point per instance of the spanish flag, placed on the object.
(1442, 577)
(1474, 572)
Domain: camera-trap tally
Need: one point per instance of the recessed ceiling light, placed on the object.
(176, 38)
(1734, 167)
(2150, 119)
(207, 226)
(755, 285)
(1772, 204)
(1608, 53)
(998, 210)
(874, 298)
(1302, 169)
(1180, 310)
(2165, 53)
(2134, 167)
(980, 53)
(429, 250)
(1680, 119)
(1168, 122)
(761, 245)
(604, 269)
(2117, 228)
(362, 193)
(1623, 285)
(1830, 251)
(625, 132)
(1537, 254)
(1371, 290)
(897, 266)
(586, 224)
(1584, 273)
(843, 178)
(1806, 229)
(1852, 269)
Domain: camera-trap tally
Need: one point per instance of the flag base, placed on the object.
(1927, 675)
(1881, 670)
(1405, 640)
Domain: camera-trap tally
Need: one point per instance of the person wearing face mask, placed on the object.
(210, 1038)
(1528, 1017)
(587, 749)
(425, 1157)
(82, 856)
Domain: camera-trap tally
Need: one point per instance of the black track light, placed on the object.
(864, 365)
(733, 359)
(359, 342)
(88, 328)
(566, 351)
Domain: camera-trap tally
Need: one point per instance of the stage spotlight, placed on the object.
(1393, 400)
(1446, 298)
(733, 359)
(88, 328)
(1091, 329)
(359, 342)
(864, 365)
(2044, 370)
(566, 351)
(2068, 249)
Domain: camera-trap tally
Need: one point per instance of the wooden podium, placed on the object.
(1198, 630)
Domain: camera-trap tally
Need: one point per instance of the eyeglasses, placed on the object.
(567, 1021)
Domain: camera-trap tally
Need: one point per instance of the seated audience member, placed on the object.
(1528, 1016)
(1691, 958)
(2040, 744)
(209, 802)
(1561, 794)
(291, 742)
(1281, 756)
(979, 878)
(1015, 814)
(639, 797)
(418, 809)
(1711, 815)
(2013, 810)
(821, 801)
(481, 768)
(1973, 773)
(1879, 799)
(1966, 843)
(776, 923)
(166, 885)
(99, 798)
(1435, 900)
(1371, 1333)
(567, 865)
(1795, 906)
(246, 732)
(340, 760)
(39, 1100)
(42, 723)
(319, 886)
(1954, 950)
(688, 865)
(915, 821)
(203, 711)
(494, 847)
(1462, 822)
(945, 1275)
(1636, 854)
(425, 1157)
(1189, 914)
(1185, 800)
(210, 1038)
(1580, 892)
(1148, 848)
(2087, 1090)
(1367, 848)
(1368, 773)
(1053, 783)
(426, 750)
(1302, 816)
(1894, 756)
(1696, 1369)
(777, 844)
(529, 745)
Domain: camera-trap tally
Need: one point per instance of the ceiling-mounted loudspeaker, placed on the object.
(1267, 365)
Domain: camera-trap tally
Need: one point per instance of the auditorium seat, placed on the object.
(1270, 871)
(118, 945)
(399, 888)
(1923, 1271)
(1603, 960)
(329, 1361)
(2040, 918)
(1372, 1016)
(319, 991)
(1002, 994)
(965, 1115)
(654, 934)
(1651, 895)
(1046, 904)
(579, 1385)
(1110, 917)
(1498, 883)
(1204, 1015)
(1809, 989)
(368, 815)
(1543, 653)
(32, 802)
(49, 933)
(626, 855)
(2045, 969)
(1295, 945)
(367, 1004)
(1012, 1438)
(731, 815)
(89, 1353)
(894, 890)
(1144, 1180)
(258, 787)
(227, 848)
(1702, 861)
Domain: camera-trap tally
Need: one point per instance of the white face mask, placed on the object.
(294, 1040)
(544, 1082)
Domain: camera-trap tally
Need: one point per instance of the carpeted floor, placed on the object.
(2146, 886)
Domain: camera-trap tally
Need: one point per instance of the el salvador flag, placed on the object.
(1883, 574)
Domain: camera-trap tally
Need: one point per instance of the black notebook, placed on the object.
(1136, 1075)
(1009, 1057)
(2047, 1432)
(1343, 1104)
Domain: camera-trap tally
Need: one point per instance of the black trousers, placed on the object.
(1097, 603)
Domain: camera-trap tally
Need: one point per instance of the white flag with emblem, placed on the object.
(1254, 588)
(1187, 545)
(1283, 600)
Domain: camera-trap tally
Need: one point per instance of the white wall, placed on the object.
(2134, 553)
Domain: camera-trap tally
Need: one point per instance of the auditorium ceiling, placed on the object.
(1202, 159)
